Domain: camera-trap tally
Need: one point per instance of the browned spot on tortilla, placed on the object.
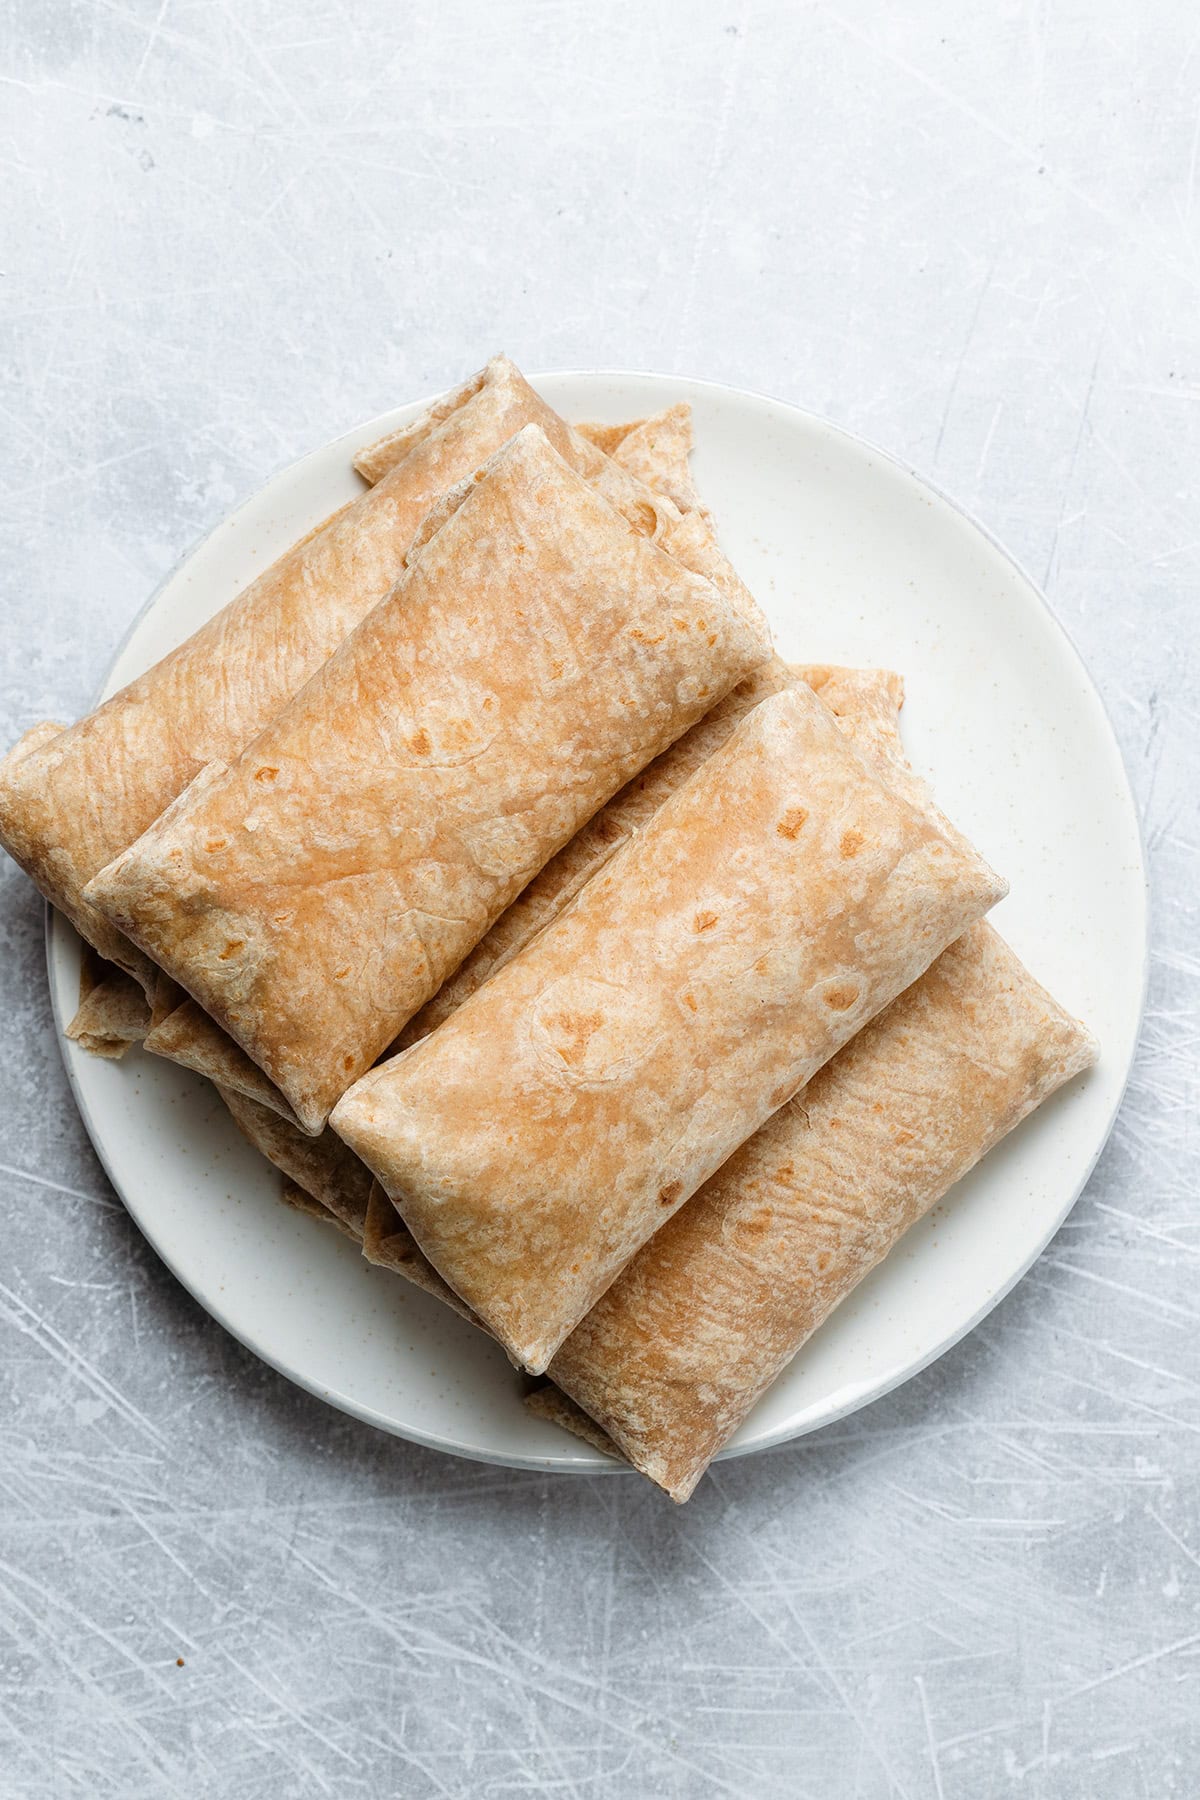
(419, 743)
(216, 844)
(841, 996)
(231, 948)
(792, 821)
(266, 773)
(704, 921)
(689, 1000)
(572, 1031)
(667, 1196)
(903, 1137)
(852, 843)
(459, 734)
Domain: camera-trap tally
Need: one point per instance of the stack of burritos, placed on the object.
(592, 968)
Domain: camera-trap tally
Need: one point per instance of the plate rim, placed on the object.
(853, 1398)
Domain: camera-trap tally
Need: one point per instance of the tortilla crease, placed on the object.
(776, 902)
(657, 450)
(388, 1244)
(189, 1037)
(113, 1012)
(323, 1166)
(550, 1403)
(299, 1200)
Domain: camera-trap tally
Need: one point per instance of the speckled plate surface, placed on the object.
(854, 559)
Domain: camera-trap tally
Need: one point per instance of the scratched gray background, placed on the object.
(231, 228)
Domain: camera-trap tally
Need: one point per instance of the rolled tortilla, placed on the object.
(299, 1200)
(388, 1244)
(379, 458)
(865, 703)
(187, 1035)
(658, 448)
(608, 438)
(692, 1333)
(771, 906)
(324, 1179)
(550, 1403)
(667, 1370)
(535, 654)
(862, 700)
(165, 996)
(113, 1012)
(323, 1166)
(72, 798)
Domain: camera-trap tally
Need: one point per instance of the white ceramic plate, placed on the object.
(854, 560)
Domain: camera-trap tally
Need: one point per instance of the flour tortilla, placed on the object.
(534, 655)
(184, 1033)
(771, 907)
(73, 797)
(691, 1334)
(113, 1012)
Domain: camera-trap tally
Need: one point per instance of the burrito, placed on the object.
(534, 655)
(692, 1333)
(656, 451)
(72, 797)
(776, 902)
